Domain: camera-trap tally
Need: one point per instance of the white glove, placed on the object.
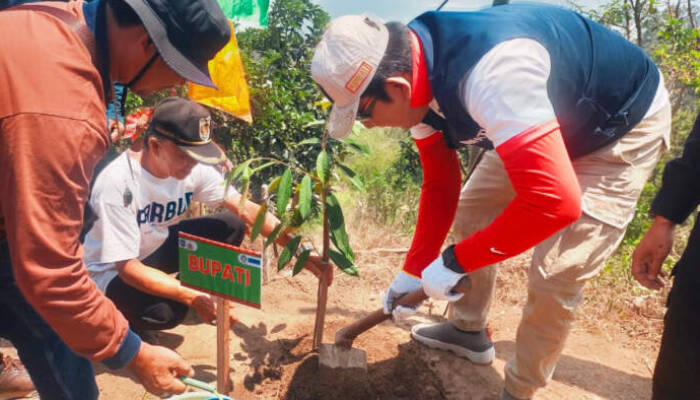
(438, 281)
(402, 284)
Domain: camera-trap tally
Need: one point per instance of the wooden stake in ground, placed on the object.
(321, 301)
(226, 272)
(223, 326)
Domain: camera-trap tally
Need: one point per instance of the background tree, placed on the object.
(668, 33)
(633, 18)
(284, 98)
(287, 146)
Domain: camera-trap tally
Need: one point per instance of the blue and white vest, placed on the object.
(600, 84)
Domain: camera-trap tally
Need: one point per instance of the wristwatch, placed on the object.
(449, 259)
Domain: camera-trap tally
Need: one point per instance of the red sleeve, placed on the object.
(548, 198)
(442, 179)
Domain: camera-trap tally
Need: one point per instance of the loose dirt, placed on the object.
(272, 358)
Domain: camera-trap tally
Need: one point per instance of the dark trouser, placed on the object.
(57, 372)
(676, 373)
(148, 312)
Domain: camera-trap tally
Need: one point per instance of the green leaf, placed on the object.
(245, 186)
(336, 222)
(288, 252)
(323, 166)
(239, 169)
(296, 219)
(301, 261)
(357, 146)
(352, 176)
(343, 263)
(232, 176)
(246, 174)
(305, 194)
(262, 167)
(313, 140)
(284, 192)
(259, 220)
(276, 232)
(357, 127)
(274, 184)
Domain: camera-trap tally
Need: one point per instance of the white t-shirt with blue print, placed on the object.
(134, 210)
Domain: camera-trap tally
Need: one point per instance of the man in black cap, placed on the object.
(58, 62)
(140, 200)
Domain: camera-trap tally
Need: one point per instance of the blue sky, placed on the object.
(405, 10)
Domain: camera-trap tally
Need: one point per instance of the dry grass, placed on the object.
(612, 304)
(620, 309)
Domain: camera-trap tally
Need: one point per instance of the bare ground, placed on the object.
(609, 355)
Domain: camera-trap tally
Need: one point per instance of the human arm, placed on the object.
(158, 369)
(442, 178)
(155, 282)
(212, 189)
(249, 211)
(547, 198)
(506, 94)
(436, 210)
(44, 189)
(680, 188)
(650, 253)
(42, 207)
(48, 149)
(678, 197)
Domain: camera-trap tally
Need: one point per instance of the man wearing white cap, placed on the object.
(577, 116)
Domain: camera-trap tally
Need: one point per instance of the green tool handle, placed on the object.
(197, 384)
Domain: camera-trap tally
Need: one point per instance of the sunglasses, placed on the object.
(365, 112)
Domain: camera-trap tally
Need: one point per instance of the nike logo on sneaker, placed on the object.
(496, 251)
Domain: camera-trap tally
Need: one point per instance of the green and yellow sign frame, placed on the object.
(220, 269)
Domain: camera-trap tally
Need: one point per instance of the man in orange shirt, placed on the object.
(58, 62)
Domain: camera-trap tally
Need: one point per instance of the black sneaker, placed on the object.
(474, 346)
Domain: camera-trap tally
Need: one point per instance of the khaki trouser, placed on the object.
(611, 180)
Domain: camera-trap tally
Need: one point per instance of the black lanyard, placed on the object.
(143, 70)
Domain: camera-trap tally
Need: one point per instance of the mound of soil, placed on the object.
(271, 355)
(405, 377)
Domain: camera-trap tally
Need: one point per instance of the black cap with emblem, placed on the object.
(188, 125)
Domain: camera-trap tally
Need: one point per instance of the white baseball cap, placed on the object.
(344, 64)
